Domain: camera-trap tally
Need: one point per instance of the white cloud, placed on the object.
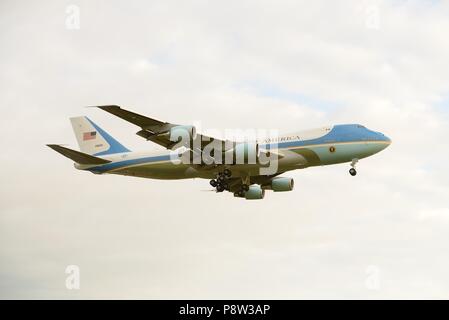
(142, 65)
(184, 62)
(438, 214)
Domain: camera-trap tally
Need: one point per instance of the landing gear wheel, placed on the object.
(225, 185)
(213, 183)
(220, 188)
(239, 194)
(221, 178)
(352, 172)
(245, 187)
(227, 173)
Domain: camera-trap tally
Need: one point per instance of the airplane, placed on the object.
(188, 153)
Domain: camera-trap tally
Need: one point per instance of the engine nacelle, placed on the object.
(182, 133)
(282, 184)
(255, 192)
(244, 153)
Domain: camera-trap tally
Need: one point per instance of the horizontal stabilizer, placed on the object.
(78, 157)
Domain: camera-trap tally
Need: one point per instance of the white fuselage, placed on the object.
(323, 146)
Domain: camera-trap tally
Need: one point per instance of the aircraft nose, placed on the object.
(386, 141)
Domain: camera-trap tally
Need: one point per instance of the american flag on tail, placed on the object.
(89, 135)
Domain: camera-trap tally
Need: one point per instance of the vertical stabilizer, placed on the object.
(93, 140)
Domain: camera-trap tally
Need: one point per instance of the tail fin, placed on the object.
(93, 140)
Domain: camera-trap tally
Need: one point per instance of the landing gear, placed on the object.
(221, 183)
(353, 171)
(241, 191)
(227, 173)
(240, 194)
(220, 186)
(244, 187)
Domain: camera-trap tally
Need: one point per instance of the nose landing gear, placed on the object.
(353, 171)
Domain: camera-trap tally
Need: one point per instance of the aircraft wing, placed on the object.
(146, 123)
(152, 129)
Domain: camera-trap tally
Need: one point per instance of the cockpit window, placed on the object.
(360, 126)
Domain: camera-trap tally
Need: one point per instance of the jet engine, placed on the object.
(282, 184)
(255, 192)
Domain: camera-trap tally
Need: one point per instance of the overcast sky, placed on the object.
(287, 65)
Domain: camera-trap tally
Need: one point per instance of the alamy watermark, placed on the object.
(373, 279)
(72, 281)
(72, 20)
(248, 147)
(372, 18)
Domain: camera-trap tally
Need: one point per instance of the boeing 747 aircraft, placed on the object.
(245, 168)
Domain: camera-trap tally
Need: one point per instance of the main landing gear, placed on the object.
(221, 183)
(353, 171)
(242, 190)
